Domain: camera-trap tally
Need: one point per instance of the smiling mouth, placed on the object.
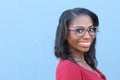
(85, 44)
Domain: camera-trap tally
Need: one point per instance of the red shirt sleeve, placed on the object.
(68, 71)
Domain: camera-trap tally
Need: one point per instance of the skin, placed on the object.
(74, 41)
(77, 50)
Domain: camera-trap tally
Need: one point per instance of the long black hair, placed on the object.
(61, 44)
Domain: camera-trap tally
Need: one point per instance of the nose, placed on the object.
(86, 35)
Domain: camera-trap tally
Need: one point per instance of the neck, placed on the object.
(78, 56)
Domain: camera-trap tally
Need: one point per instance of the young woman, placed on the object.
(75, 45)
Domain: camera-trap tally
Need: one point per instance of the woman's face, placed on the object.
(80, 43)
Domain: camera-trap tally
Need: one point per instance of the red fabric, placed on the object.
(67, 70)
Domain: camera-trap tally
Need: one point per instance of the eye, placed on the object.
(92, 29)
(79, 30)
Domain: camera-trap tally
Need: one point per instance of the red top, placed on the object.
(67, 70)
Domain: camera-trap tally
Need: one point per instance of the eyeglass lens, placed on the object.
(80, 31)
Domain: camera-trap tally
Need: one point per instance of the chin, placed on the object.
(85, 49)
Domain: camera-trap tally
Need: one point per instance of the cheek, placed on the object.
(72, 41)
(93, 38)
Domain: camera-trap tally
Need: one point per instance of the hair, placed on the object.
(61, 45)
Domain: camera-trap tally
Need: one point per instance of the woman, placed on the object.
(75, 46)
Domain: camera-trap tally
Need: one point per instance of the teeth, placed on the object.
(85, 44)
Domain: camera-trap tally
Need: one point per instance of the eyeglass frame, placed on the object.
(83, 33)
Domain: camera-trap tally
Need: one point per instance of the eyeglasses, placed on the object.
(80, 31)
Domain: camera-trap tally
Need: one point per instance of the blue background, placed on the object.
(27, 34)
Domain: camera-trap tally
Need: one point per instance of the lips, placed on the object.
(85, 44)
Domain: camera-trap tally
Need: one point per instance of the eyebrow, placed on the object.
(83, 26)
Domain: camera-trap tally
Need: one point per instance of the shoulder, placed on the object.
(67, 70)
(66, 64)
(101, 74)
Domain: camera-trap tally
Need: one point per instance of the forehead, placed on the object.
(82, 20)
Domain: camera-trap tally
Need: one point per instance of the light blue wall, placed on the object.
(27, 32)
